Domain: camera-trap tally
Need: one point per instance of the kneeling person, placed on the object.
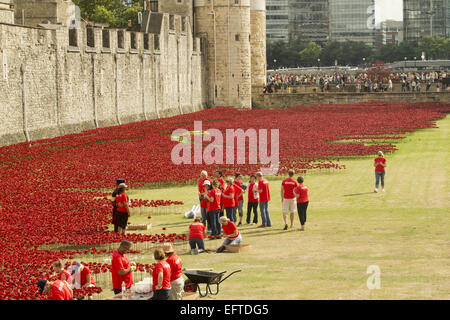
(232, 234)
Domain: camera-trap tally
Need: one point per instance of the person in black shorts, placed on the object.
(114, 204)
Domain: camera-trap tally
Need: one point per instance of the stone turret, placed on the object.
(224, 26)
(258, 42)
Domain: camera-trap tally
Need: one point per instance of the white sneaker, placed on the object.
(195, 251)
(192, 251)
(376, 190)
(382, 190)
(201, 250)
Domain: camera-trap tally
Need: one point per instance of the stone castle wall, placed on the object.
(286, 100)
(6, 11)
(50, 88)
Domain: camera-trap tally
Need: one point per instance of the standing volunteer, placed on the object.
(114, 204)
(121, 268)
(161, 276)
(228, 198)
(253, 198)
(176, 269)
(123, 208)
(288, 201)
(264, 198)
(213, 197)
(380, 170)
(203, 185)
(240, 201)
(301, 193)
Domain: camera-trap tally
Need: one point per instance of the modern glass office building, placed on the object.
(352, 20)
(426, 18)
(277, 20)
(308, 20)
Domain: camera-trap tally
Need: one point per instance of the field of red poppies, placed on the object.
(53, 192)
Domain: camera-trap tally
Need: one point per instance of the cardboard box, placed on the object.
(139, 226)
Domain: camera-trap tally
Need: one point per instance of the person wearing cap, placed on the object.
(121, 268)
(55, 290)
(176, 271)
(197, 232)
(114, 204)
(213, 197)
(161, 276)
(232, 233)
(123, 208)
(380, 170)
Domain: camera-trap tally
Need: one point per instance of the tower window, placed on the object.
(90, 40)
(120, 43)
(236, 1)
(236, 37)
(105, 38)
(73, 37)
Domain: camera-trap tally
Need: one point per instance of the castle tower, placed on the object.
(224, 26)
(258, 42)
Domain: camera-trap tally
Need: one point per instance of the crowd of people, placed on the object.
(362, 82)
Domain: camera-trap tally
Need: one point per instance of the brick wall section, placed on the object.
(48, 88)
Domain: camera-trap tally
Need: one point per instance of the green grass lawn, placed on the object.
(405, 231)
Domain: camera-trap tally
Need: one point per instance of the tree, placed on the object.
(436, 47)
(309, 55)
(115, 13)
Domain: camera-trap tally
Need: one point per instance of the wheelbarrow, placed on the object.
(209, 278)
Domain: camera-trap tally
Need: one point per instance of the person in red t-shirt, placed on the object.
(264, 198)
(232, 233)
(288, 199)
(197, 232)
(62, 274)
(253, 198)
(301, 193)
(380, 170)
(161, 276)
(222, 186)
(213, 197)
(238, 191)
(176, 269)
(206, 183)
(121, 267)
(228, 198)
(123, 209)
(240, 201)
(55, 290)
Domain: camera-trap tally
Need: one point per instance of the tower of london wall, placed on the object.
(55, 81)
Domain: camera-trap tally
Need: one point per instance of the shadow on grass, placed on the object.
(357, 194)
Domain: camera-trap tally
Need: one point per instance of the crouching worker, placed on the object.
(176, 271)
(197, 232)
(55, 290)
(231, 232)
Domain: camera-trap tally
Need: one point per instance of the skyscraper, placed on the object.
(277, 20)
(426, 18)
(308, 20)
(352, 20)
